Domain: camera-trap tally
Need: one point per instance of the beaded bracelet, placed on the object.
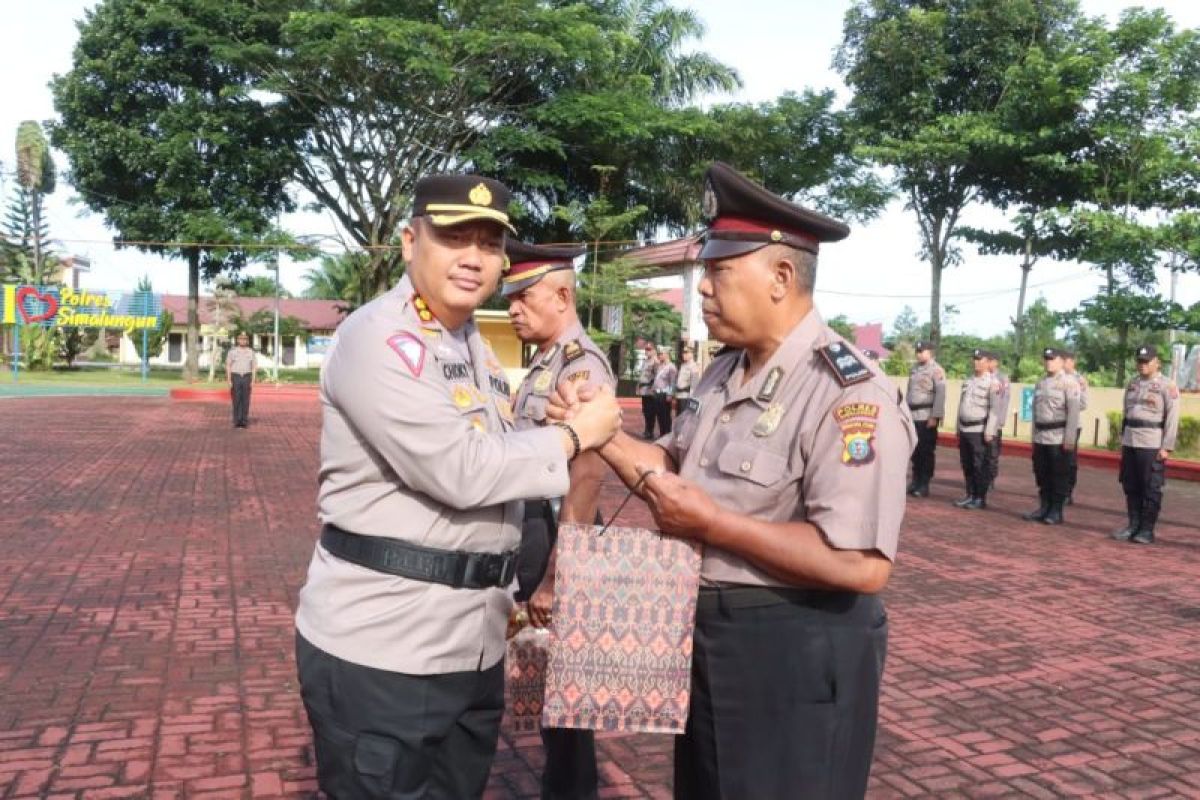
(574, 438)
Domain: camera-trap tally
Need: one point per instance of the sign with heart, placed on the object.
(36, 306)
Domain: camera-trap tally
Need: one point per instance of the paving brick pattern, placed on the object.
(152, 555)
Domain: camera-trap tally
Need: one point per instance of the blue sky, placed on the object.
(776, 45)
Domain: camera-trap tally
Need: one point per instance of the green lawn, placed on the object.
(111, 380)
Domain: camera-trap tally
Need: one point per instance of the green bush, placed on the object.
(1188, 438)
(1115, 418)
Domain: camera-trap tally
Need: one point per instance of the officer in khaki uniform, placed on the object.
(1073, 456)
(788, 464)
(686, 379)
(645, 388)
(993, 431)
(239, 372)
(976, 423)
(401, 622)
(1055, 420)
(663, 388)
(1147, 438)
(540, 289)
(926, 398)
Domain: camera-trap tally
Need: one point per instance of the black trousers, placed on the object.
(1143, 477)
(784, 697)
(992, 461)
(972, 454)
(924, 457)
(570, 770)
(240, 392)
(662, 413)
(1073, 465)
(381, 734)
(1052, 471)
(649, 414)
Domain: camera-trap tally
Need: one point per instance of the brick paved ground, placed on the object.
(151, 557)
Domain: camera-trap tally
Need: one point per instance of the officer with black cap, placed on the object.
(977, 409)
(993, 432)
(926, 398)
(788, 465)
(1147, 438)
(401, 623)
(540, 290)
(1055, 419)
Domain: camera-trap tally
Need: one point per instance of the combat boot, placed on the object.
(1133, 510)
(1042, 511)
(977, 503)
(1145, 531)
(965, 501)
(1055, 515)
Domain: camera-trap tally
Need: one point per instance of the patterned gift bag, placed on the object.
(525, 679)
(621, 646)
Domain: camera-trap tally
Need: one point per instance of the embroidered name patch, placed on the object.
(858, 422)
(456, 371)
(411, 351)
(581, 375)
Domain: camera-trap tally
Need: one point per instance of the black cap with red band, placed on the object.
(529, 263)
(743, 217)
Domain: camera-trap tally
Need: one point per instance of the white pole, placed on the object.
(275, 376)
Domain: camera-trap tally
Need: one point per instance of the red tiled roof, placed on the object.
(317, 315)
(666, 254)
(870, 337)
(672, 297)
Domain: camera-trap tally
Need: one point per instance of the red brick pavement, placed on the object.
(152, 554)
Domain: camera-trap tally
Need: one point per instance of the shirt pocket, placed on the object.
(754, 464)
(534, 407)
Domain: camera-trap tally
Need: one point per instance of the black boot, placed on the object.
(1042, 511)
(978, 502)
(921, 491)
(1145, 531)
(1055, 515)
(1133, 510)
(965, 501)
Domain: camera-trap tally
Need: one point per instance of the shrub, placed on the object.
(1115, 418)
(1188, 437)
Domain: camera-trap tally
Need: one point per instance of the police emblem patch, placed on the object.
(480, 195)
(768, 421)
(858, 422)
(541, 384)
(463, 396)
(411, 351)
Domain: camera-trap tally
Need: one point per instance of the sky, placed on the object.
(775, 45)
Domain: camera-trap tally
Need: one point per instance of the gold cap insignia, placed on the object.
(480, 195)
(776, 236)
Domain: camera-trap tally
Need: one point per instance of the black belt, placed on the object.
(714, 597)
(1049, 426)
(979, 421)
(1142, 423)
(921, 407)
(455, 568)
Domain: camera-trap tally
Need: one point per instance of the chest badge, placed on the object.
(768, 421)
(463, 396)
(541, 383)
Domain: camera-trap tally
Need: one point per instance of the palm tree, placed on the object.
(657, 32)
(339, 277)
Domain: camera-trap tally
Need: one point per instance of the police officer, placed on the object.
(1055, 421)
(1147, 439)
(540, 289)
(926, 398)
(240, 373)
(663, 387)
(645, 388)
(993, 431)
(1073, 455)
(686, 379)
(401, 623)
(976, 416)
(788, 464)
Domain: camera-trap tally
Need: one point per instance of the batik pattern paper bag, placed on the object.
(525, 679)
(621, 646)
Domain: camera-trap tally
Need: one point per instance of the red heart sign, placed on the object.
(48, 301)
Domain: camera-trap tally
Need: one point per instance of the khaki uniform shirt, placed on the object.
(686, 378)
(975, 404)
(793, 444)
(574, 358)
(645, 384)
(1156, 400)
(1055, 400)
(926, 396)
(416, 444)
(664, 379)
(1001, 397)
(240, 360)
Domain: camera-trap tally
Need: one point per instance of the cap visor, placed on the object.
(449, 220)
(507, 289)
(726, 248)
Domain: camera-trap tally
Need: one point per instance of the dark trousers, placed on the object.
(570, 769)
(662, 413)
(649, 414)
(1051, 470)
(1143, 477)
(784, 696)
(240, 392)
(992, 460)
(381, 734)
(972, 454)
(1073, 465)
(924, 457)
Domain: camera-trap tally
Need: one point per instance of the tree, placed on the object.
(24, 241)
(906, 328)
(155, 337)
(842, 326)
(1129, 314)
(166, 138)
(930, 81)
(257, 286)
(35, 174)
(73, 341)
(338, 278)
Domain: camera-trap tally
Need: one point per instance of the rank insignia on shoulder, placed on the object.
(768, 421)
(572, 350)
(541, 383)
(770, 385)
(847, 367)
(411, 351)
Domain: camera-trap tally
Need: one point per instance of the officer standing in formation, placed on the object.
(788, 464)
(663, 389)
(1073, 455)
(540, 289)
(977, 409)
(1147, 439)
(645, 388)
(688, 377)
(401, 623)
(926, 398)
(240, 373)
(1055, 422)
(993, 432)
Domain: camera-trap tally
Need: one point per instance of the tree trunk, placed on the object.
(36, 208)
(1123, 348)
(935, 296)
(1019, 322)
(191, 366)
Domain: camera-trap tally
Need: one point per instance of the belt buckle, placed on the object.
(508, 568)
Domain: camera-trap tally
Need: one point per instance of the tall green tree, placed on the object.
(166, 138)
(36, 175)
(930, 81)
(24, 239)
(338, 277)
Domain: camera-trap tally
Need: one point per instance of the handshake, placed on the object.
(591, 416)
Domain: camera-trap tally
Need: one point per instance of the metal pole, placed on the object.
(145, 354)
(16, 350)
(275, 368)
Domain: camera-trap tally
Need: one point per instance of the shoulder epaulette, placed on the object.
(847, 367)
(572, 350)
